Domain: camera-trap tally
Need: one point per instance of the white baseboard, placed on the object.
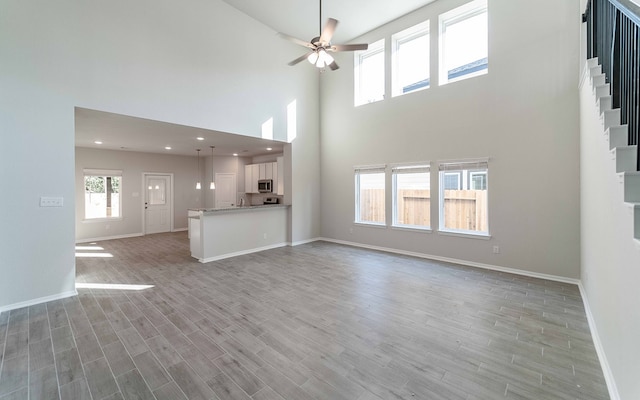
(39, 300)
(241, 253)
(298, 243)
(99, 239)
(180, 230)
(604, 363)
(515, 271)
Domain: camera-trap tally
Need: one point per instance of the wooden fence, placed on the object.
(463, 209)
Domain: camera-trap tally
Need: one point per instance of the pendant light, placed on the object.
(212, 185)
(198, 186)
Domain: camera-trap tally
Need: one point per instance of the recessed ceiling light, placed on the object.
(97, 142)
(167, 148)
(200, 138)
(269, 149)
(235, 154)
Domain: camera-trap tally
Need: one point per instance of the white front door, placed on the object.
(225, 190)
(157, 203)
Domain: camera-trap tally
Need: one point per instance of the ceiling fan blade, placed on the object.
(348, 47)
(296, 40)
(327, 32)
(300, 59)
(333, 66)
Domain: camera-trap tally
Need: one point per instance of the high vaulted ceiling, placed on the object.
(300, 18)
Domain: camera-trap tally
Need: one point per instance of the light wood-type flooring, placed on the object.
(316, 321)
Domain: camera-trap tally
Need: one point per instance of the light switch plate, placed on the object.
(51, 201)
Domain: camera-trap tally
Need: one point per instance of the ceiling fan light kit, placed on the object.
(321, 46)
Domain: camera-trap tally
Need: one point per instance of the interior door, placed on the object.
(225, 190)
(157, 204)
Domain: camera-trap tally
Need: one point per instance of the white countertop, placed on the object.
(214, 211)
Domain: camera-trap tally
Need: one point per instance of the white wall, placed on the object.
(610, 269)
(133, 164)
(523, 115)
(193, 63)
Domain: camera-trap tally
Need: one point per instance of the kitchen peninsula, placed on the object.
(218, 233)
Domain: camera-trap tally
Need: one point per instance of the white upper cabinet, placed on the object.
(272, 170)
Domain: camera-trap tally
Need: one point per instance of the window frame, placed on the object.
(473, 173)
(375, 48)
(363, 170)
(400, 169)
(458, 176)
(102, 173)
(452, 17)
(470, 166)
(397, 40)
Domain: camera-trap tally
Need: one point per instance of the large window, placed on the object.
(463, 197)
(369, 74)
(370, 195)
(102, 190)
(411, 196)
(464, 42)
(410, 59)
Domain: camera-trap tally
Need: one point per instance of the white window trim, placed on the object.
(102, 173)
(367, 169)
(459, 175)
(406, 168)
(359, 56)
(397, 39)
(451, 17)
(472, 173)
(461, 232)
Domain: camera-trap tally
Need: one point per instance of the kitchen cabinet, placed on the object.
(255, 173)
(263, 171)
(272, 170)
(251, 174)
(247, 178)
(268, 173)
(280, 172)
(274, 176)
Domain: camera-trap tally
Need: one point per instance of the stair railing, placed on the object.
(613, 35)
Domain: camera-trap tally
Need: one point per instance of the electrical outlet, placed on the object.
(496, 249)
(264, 235)
(51, 201)
(351, 231)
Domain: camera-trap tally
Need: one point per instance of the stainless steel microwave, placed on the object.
(265, 185)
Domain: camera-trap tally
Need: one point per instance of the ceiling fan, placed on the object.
(320, 47)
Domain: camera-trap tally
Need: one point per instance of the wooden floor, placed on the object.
(318, 321)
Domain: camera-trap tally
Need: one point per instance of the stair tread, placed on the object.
(625, 148)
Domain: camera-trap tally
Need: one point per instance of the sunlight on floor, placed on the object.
(98, 255)
(92, 247)
(113, 286)
(87, 248)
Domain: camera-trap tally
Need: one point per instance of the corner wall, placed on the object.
(191, 63)
(523, 115)
(610, 270)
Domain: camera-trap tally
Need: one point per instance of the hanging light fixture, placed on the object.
(212, 185)
(198, 186)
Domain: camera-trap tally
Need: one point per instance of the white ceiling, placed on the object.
(121, 132)
(298, 18)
